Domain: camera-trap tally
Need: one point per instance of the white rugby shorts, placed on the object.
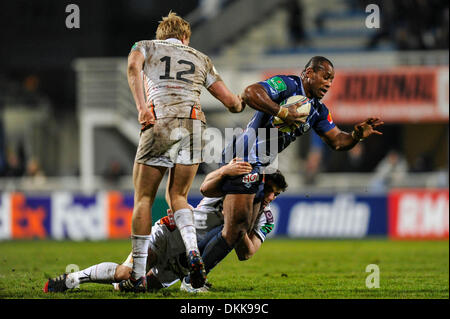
(171, 141)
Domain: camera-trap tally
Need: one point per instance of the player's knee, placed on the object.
(143, 199)
(175, 196)
(142, 203)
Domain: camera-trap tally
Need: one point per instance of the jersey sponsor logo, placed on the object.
(249, 179)
(277, 83)
(266, 229)
(269, 215)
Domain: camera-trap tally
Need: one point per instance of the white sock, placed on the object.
(184, 218)
(101, 273)
(139, 247)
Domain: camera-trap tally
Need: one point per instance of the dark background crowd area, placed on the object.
(35, 40)
(412, 24)
(37, 52)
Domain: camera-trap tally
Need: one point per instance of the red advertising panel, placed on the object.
(120, 211)
(30, 216)
(400, 95)
(418, 214)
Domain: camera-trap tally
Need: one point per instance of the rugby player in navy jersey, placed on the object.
(266, 96)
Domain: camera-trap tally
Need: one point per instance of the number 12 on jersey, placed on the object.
(179, 74)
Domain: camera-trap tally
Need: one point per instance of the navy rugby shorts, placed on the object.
(251, 183)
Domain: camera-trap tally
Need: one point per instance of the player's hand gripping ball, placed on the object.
(304, 107)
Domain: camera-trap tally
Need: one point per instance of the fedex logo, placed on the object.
(78, 217)
(30, 216)
(120, 211)
(5, 219)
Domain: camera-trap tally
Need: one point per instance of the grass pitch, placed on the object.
(283, 268)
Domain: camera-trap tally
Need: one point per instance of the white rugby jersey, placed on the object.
(174, 75)
(208, 215)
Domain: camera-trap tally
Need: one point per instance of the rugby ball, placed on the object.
(305, 107)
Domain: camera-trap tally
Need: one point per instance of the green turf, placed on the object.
(281, 269)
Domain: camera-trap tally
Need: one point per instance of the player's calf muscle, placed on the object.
(141, 219)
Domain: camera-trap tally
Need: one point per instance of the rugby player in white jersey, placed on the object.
(172, 75)
(166, 262)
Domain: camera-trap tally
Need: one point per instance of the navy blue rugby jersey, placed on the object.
(255, 145)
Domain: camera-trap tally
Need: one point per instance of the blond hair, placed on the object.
(173, 26)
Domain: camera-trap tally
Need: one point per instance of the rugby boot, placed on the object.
(185, 286)
(57, 284)
(133, 285)
(197, 271)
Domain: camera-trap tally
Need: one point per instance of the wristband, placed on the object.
(283, 113)
(355, 137)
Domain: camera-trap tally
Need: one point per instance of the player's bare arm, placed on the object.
(247, 246)
(342, 141)
(211, 186)
(256, 97)
(135, 65)
(232, 102)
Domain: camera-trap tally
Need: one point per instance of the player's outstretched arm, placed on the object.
(342, 141)
(256, 97)
(211, 186)
(231, 101)
(247, 246)
(135, 65)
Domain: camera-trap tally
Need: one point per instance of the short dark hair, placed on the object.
(277, 179)
(316, 61)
